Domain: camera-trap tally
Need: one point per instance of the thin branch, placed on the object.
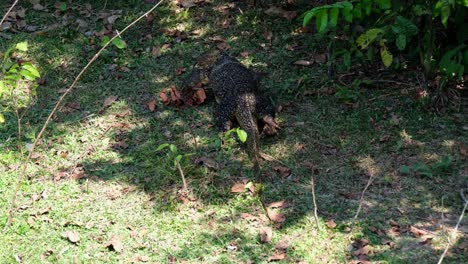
(455, 230)
(361, 200)
(184, 183)
(8, 12)
(314, 201)
(49, 118)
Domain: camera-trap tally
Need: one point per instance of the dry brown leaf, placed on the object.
(151, 105)
(266, 234)
(115, 244)
(238, 187)
(303, 62)
(331, 223)
(248, 217)
(363, 251)
(463, 150)
(72, 236)
(139, 258)
(276, 216)
(277, 257)
(207, 162)
(320, 58)
(164, 99)
(111, 20)
(280, 204)
(417, 232)
(156, 51)
(109, 101)
(283, 171)
(200, 96)
(223, 46)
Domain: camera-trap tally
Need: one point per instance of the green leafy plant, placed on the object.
(17, 80)
(176, 158)
(389, 26)
(118, 42)
(241, 134)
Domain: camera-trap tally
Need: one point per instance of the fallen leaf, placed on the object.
(463, 150)
(151, 105)
(156, 52)
(179, 71)
(73, 105)
(303, 62)
(417, 232)
(363, 251)
(276, 216)
(320, 58)
(72, 236)
(280, 204)
(175, 96)
(223, 46)
(186, 3)
(283, 171)
(164, 99)
(331, 223)
(427, 241)
(200, 96)
(207, 162)
(248, 217)
(277, 257)
(109, 101)
(115, 244)
(238, 187)
(111, 20)
(139, 258)
(266, 234)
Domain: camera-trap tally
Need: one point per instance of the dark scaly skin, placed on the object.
(236, 91)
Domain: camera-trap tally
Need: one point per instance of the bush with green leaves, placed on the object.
(17, 80)
(430, 33)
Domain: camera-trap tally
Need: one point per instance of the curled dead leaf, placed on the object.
(164, 99)
(283, 171)
(303, 62)
(266, 233)
(277, 257)
(280, 204)
(72, 236)
(331, 223)
(238, 187)
(109, 101)
(275, 216)
(207, 162)
(151, 105)
(115, 244)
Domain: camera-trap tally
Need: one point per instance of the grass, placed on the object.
(131, 190)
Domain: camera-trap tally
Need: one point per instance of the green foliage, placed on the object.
(17, 80)
(389, 27)
(173, 153)
(444, 165)
(241, 134)
(118, 42)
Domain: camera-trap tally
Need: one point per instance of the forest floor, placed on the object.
(98, 191)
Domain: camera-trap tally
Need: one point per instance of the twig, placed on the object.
(184, 183)
(314, 201)
(49, 118)
(361, 200)
(8, 12)
(454, 231)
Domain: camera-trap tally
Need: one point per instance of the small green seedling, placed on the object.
(240, 133)
(118, 42)
(17, 81)
(176, 158)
